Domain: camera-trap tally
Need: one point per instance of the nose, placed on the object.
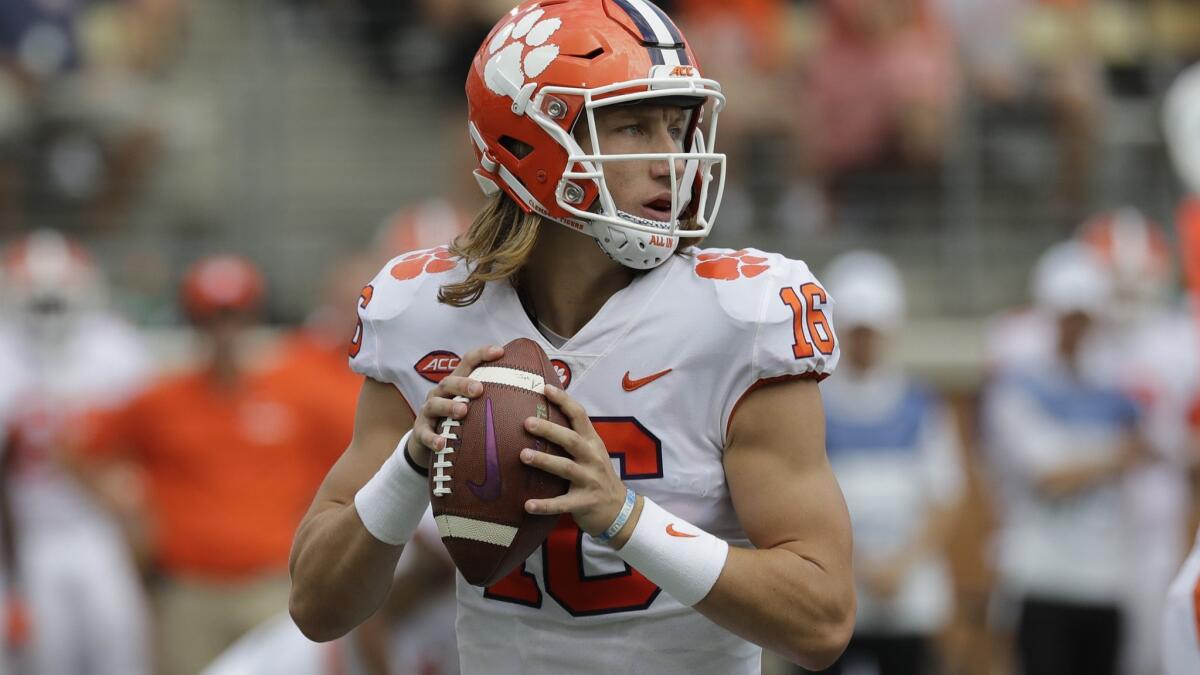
(663, 142)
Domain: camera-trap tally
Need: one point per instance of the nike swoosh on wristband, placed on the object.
(629, 385)
(489, 489)
(676, 533)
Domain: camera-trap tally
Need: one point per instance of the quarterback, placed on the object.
(689, 379)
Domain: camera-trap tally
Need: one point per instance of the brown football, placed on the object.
(478, 484)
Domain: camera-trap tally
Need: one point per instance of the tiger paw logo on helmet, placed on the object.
(510, 63)
(415, 264)
(730, 266)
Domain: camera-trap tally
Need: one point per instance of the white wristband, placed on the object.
(391, 504)
(677, 556)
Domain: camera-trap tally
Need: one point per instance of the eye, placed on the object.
(633, 129)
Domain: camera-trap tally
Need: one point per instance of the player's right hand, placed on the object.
(440, 403)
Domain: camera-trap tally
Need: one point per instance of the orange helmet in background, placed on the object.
(221, 283)
(546, 66)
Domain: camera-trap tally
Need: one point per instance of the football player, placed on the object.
(1065, 439)
(720, 529)
(65, 358)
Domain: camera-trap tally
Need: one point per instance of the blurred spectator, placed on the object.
(894, 448)
(411, 634)
(63, 357)
(881, 86)
(744, 45)
(232, 456)
(77, 111)
(1064, 439)
(1034, 60)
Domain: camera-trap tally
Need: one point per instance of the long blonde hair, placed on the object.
(497, 245)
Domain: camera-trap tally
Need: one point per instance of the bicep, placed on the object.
(381, 418)
(780, 480)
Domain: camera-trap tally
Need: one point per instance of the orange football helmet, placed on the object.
(221, 283)
(549, 63)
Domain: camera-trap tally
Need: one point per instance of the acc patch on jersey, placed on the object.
(436, 365)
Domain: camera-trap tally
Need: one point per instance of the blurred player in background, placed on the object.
(701, 367)
(1149, 346)
(230, 451)
(1065, 438)
(1181, 113)
(894, 448)
(63, 356)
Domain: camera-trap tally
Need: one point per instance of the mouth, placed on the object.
(658, 209)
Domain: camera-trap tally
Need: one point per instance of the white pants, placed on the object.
(87, 608)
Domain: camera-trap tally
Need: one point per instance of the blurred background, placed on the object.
(266, 157)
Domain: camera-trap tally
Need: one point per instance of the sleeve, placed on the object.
(107, 433)
(795, 336)
(791, 331)
(364, 344)
(381, 301)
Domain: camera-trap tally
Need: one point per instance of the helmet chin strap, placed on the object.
(636, 250)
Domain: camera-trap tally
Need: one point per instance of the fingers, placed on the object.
(437, 408)
(456, 385)
(574, 412)
(475, 357)
(559, 466)
(428, 438)
(548, 507)
(557, 434)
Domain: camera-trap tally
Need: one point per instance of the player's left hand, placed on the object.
(596, 493)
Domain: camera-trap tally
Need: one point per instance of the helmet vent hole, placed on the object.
(590, 55)
(519, 149)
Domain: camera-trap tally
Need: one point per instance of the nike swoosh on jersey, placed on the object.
(489, 489)
(630, 385)
(676, 533)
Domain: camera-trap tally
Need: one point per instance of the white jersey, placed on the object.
(98, 364)
(1039, 420)
(660, 369)
(894, 449)
(1181, 623)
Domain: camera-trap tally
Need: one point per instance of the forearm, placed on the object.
(340, 573)
(784, 602)
(778, 598)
